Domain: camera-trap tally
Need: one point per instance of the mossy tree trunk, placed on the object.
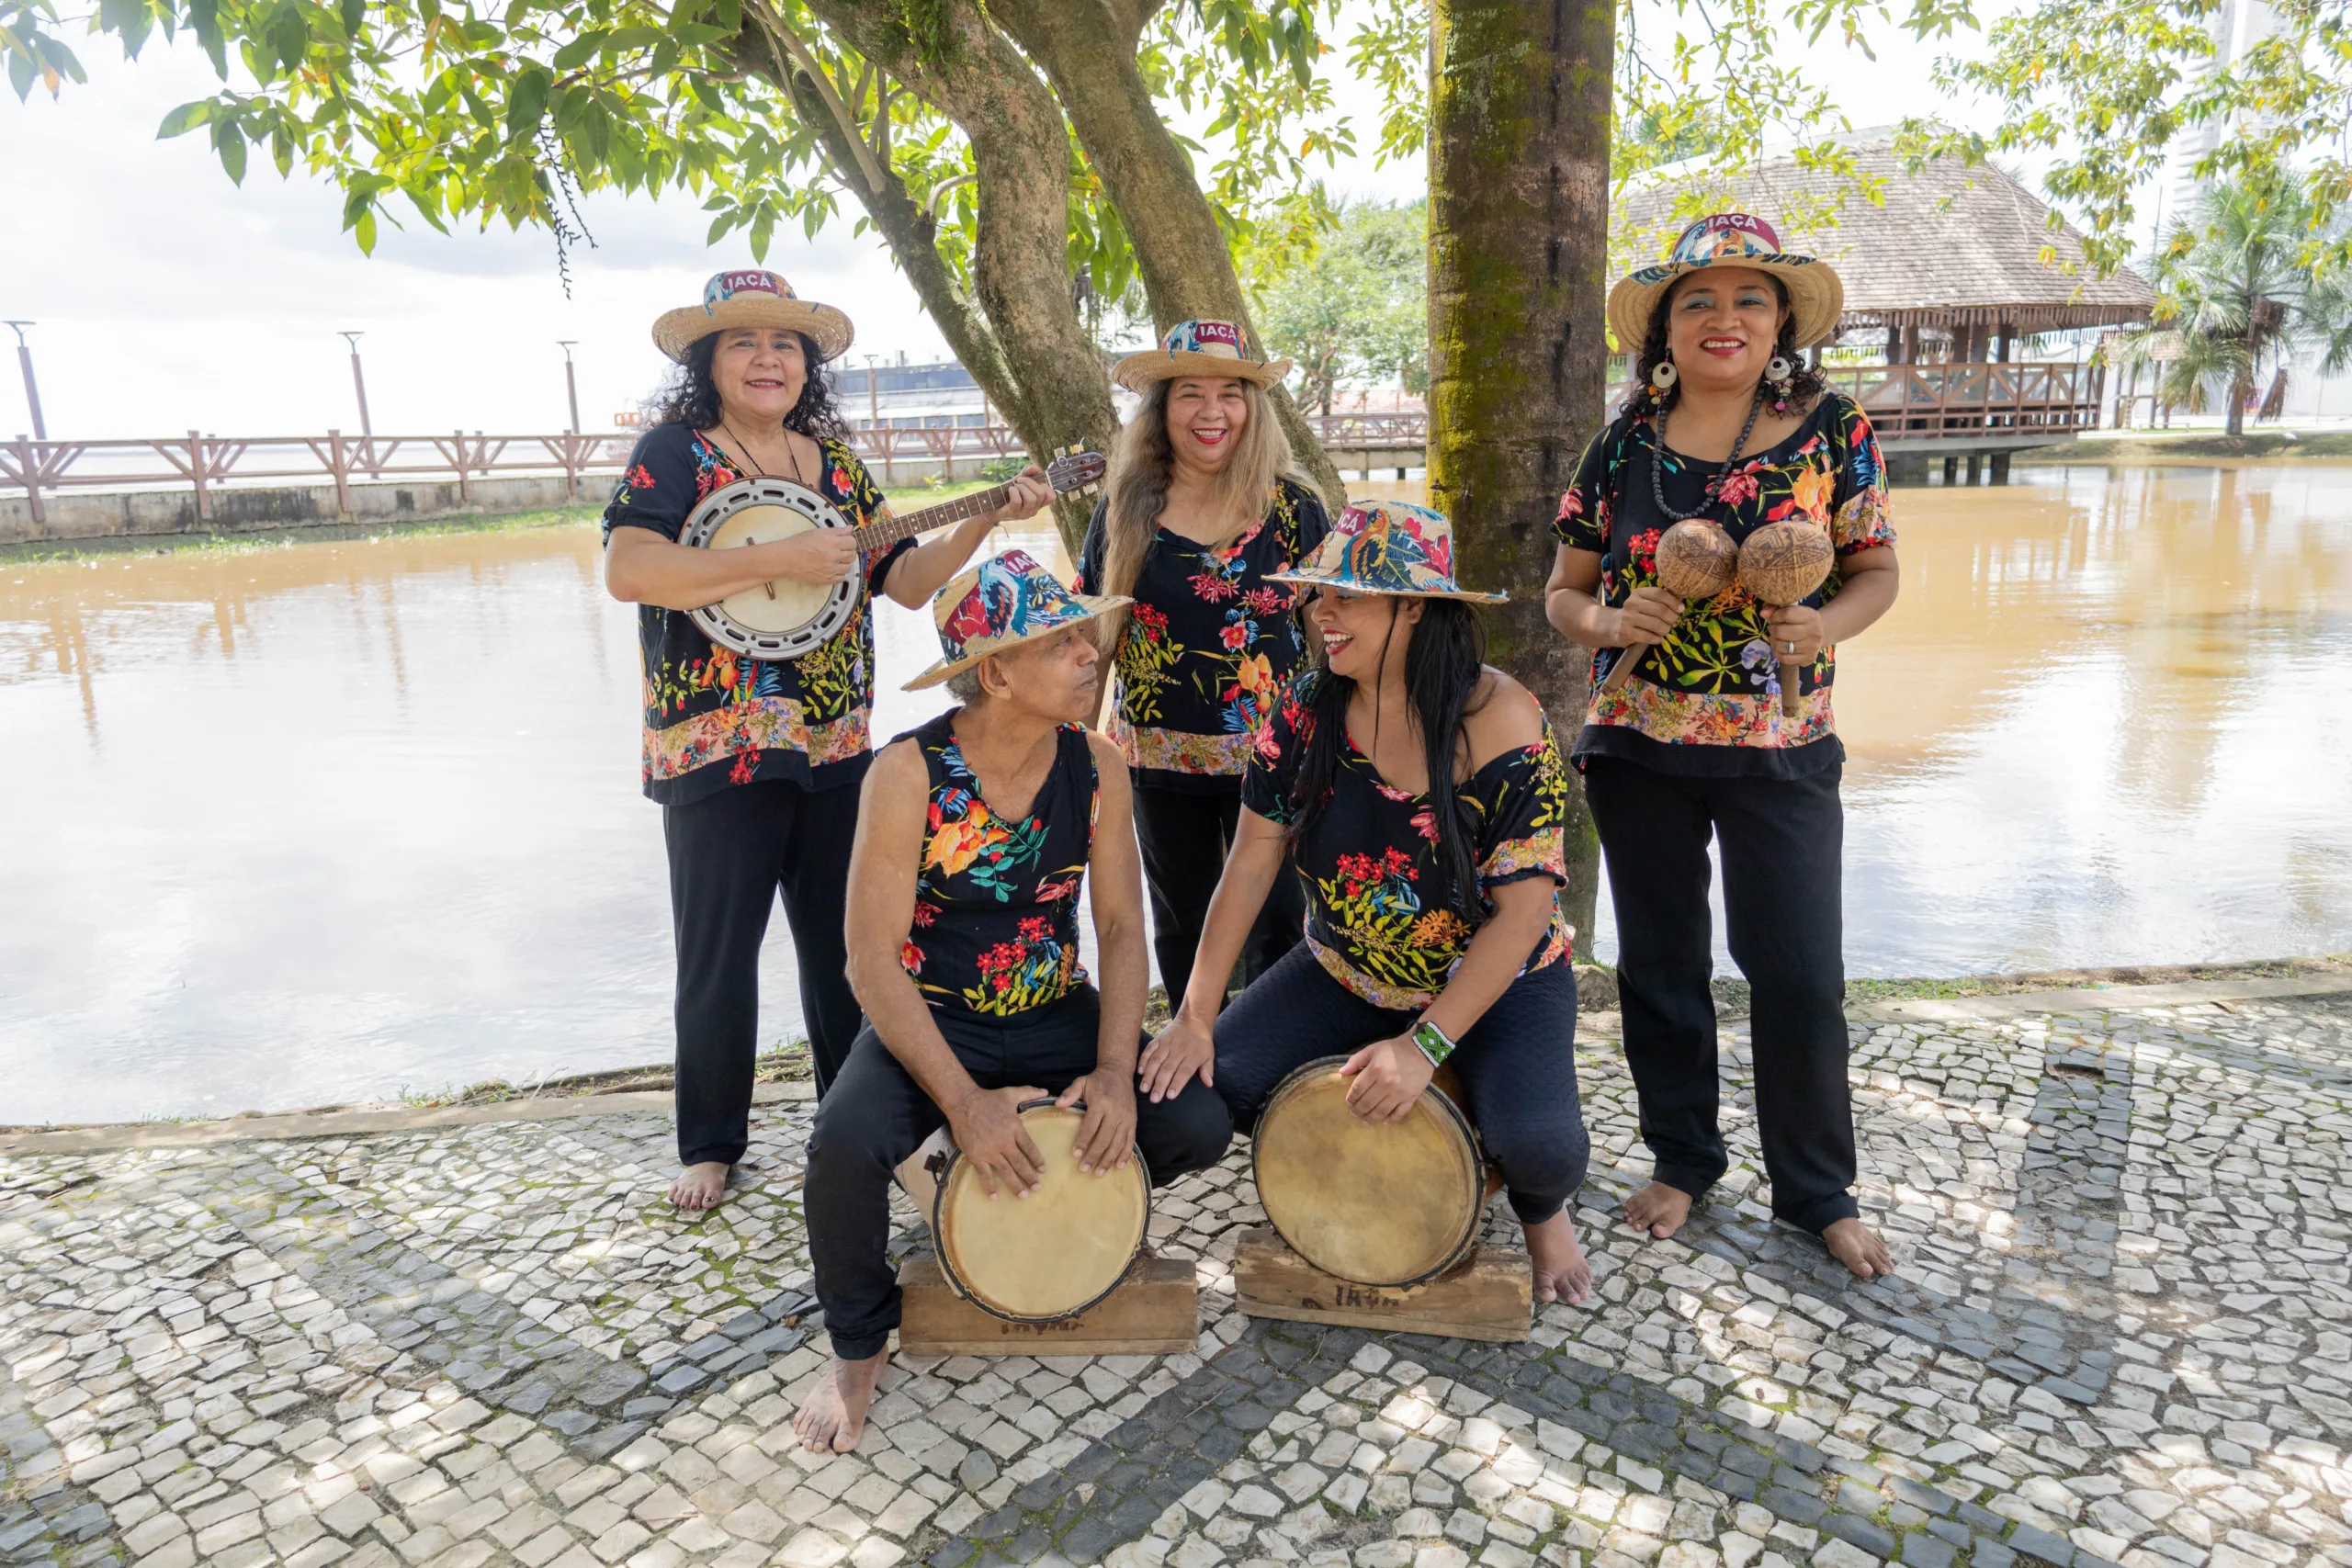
(1519, 228)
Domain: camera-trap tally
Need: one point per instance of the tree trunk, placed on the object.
(1018, 331)
(1088, 48)
(2241, 389)
(1518, 257)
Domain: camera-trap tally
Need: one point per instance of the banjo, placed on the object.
(782, 619)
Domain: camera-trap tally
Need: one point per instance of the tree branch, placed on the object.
(780, 36)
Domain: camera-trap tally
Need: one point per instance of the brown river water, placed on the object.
(319, 822)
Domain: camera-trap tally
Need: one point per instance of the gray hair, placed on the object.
(965, 684)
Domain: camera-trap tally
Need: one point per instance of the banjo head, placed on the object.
(797, 616)
(1393, 1204)
(1057, 1251)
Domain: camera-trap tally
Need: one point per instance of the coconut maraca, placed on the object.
(1696, 559)
(1782, 563)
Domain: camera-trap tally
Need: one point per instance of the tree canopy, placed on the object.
(1357, 308)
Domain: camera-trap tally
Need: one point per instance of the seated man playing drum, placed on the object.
(973, 837)
(1420, 794)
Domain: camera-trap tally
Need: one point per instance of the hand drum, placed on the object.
(1782, 563)
(1696, 559)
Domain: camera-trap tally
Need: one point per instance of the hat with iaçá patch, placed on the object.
(1001, 603)
(1201, 348)
(1387, 547)
(1817, 294)
(750, 298)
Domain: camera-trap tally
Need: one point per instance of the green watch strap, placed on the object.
(1433, 1043)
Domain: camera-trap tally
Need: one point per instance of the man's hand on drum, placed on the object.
(1030, 493)
(1183, 1048)
(1390, 1075)
(1106, 1139)
(987, 1125)
(818, 555)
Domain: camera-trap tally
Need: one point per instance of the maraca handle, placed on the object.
(1791, 698)
(1623, 670)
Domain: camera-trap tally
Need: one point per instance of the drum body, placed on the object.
(1049, 1256)
(777, 620)
(1395, 1205)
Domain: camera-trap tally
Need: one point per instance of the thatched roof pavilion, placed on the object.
(1960, 251)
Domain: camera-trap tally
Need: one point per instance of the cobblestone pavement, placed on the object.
(2122, 1334)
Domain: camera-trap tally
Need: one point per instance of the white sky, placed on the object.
(168, 298)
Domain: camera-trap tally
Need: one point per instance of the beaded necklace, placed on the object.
(1657, 462)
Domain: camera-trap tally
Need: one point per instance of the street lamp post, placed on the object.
(359, 382)
(32, 388)
(570, 385)
(874, 421)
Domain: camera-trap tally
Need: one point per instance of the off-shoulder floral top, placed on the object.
(996, 899)
(1208, 644)
(714, 719)
(1707, 701)
(1366, 864)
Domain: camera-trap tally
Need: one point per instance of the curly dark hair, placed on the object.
(1803, 387)
(692, 397)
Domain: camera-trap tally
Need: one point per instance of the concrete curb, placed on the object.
(2112, 999)
(352, 1123)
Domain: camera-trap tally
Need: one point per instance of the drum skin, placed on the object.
(793, 604)
(1053, 1253)
(779, 619)
(1393, 1204)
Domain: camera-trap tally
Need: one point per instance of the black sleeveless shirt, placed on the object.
(996, 900)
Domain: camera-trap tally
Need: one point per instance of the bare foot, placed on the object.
(1858, 1246)
(834, 1416)
(698, 1185)
(1658, 1209)
(1561, 1272)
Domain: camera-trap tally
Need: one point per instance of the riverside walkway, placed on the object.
(2121, 1334)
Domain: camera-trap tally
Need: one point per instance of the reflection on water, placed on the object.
(313, 823)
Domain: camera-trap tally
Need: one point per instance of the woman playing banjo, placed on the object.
(1699, 741)
(756, 764)
(1419, 795)
(1203, 503)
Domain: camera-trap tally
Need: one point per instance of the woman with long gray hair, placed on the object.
(1205, 503)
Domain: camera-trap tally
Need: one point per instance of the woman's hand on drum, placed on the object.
(987, 1125)
(1106, 1139)
(1186, 1046)
(1646, 617)
(819, 555)
(1796, 633)
(1390, 1075)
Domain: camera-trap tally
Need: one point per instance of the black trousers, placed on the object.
(878, 1115)
(1782, 842)
(1184, 837)
(1517, 1065)
(730, 854)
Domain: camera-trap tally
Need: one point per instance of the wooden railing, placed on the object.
(1953, 400)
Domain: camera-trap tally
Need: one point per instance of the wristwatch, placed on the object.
(1435, 1043)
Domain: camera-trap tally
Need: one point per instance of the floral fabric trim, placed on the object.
(1177, 751)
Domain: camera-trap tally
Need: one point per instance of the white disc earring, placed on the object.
(1664, 376)
(1779, 369)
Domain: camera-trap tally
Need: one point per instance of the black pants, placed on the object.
(1782, 842)
(729, 855)
(878, 1115)
(1184, 837)
(1517, 1065)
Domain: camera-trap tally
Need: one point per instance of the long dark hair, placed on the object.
(1804, 386)
(692, 397)
(1443, 664)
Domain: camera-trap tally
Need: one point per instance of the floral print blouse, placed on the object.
(1208, 642)
(1363, 865)
(1707, 701)
(996, 900)
(714, 719)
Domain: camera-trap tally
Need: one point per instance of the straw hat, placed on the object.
(1387, 547)
(751, 299)
(1201, 348)
(1002, 602)
(1729, 238)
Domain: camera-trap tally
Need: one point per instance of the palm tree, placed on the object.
(2234, 282)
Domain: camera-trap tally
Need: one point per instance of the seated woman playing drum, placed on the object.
(974, 835)
(1420, 794)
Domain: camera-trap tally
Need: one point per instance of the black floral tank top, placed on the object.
(995, 902)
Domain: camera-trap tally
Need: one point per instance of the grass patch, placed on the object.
(2195, 447)
(253, 541)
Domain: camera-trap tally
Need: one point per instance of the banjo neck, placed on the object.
(878, 536)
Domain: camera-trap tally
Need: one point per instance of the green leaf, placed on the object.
(230, 142)
(355, 17)
(579, 51)
(527, 100)
(365, 233)
(185, 119)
